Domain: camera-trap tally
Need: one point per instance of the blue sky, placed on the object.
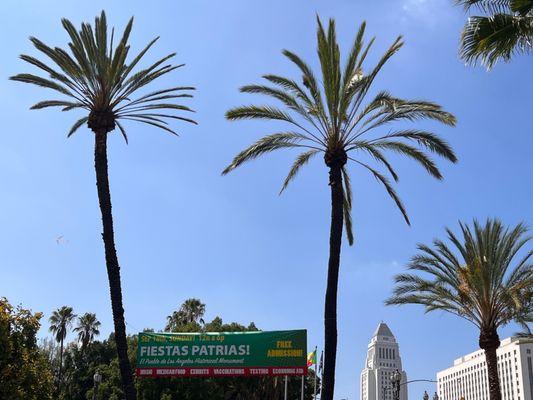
(184, 231)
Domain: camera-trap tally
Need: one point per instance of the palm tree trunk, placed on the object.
(490, 341)
(113, 268)
(60, 366)
(330, 312)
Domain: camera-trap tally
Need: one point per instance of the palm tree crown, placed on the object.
(332, 118)
(480, 278)
(477, 281)
(87, 329)
(97, 77)
(191, 311)
(60, 322)
(506, 29)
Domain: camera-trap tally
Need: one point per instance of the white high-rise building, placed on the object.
(468, 376)
(382, 360)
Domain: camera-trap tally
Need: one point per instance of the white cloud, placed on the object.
(429, 12)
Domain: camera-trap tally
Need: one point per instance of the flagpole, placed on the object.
(303, 387)
(316, 372)
(285, 387)
(321, 368)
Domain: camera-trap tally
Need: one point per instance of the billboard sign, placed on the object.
(222, 354)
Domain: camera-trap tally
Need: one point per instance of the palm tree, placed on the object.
(480, 278)
(96, 77)
(60, 322)
(506, 29)
(87, 329)
(191, 311)
(333, 119)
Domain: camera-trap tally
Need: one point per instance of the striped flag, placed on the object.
(311, 358)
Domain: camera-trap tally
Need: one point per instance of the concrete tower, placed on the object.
(382, 360)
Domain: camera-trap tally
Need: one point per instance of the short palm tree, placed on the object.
(60, 322)
(505, 29)
(87, 329)
(479, 277)
(332, 119)
(97, 78)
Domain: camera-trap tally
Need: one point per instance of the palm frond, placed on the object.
(411, 152)
(488, 6)
(347, 206)
(267, 144)
(77, 125)
(308, 80)
(258, 112)
(56, 103)
(123, 132)
(498, 37)
(300, 161)
(377, 154)
(390, 190)
(427, 140)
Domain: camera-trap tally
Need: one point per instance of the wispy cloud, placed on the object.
(430, 12)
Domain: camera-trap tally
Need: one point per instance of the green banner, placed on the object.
(222, 354)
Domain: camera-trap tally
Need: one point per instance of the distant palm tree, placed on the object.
(330, 117)
(87, 329)
(97, 78)
(60, 322)
(506, 29)
(191, 311)
(474, 279)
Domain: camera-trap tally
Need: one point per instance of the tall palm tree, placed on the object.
(87, 329)
(480, 278)
(330, 117)
(60, 322)
(505, 29)
(96, 77)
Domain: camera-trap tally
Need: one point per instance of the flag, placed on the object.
(311, 358)
(321, 365)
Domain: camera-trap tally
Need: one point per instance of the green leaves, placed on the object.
(300, 161)
(55, 103)
(97, 77)
(477, 281)
(390, 190)
(77, 125)
(265, 145)
(36, 80)
(506, 30)
(258, 112)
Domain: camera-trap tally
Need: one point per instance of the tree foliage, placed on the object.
(80, 365)
(504, 29)
(24, 370)
(190, 315)
(97, 74)
(87, 328)
(481, 277)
